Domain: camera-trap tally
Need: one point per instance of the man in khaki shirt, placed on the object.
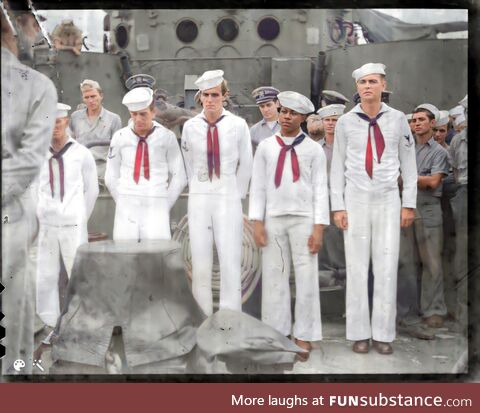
(94, 125)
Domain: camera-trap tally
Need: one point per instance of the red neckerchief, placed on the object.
(213, 148)
(379, 141)
(142, 148)
(58, 156)
(281, 159)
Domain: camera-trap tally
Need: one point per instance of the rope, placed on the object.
(251, 268)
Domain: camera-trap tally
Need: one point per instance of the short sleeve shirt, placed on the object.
(432, 159)
(261, 130)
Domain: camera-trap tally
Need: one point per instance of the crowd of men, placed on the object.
(363, 192)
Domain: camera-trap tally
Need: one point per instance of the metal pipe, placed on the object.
(318, 78)
(126, 70)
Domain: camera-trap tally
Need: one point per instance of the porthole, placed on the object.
(227, 29)
(268, 28)
(121, 36)
(187, 31)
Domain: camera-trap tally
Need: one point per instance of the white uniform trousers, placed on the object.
(141, 217)
(373, 231)
(216, 218)
(287, 239)
(55, 243)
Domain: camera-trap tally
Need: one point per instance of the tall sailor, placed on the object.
(218, 157)
(373, 143)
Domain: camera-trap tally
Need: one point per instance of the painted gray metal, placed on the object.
(418, 71)
(302, 32)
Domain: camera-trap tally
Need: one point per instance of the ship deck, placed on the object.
(446, 354)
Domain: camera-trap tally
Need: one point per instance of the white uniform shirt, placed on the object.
(235, 156)
(165, 161)
(306, 197)
(80, 188)
(348, 159)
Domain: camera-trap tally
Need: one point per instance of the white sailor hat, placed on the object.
(209, 79)
(369, 69)
(456, 111)
(409, 116)
(459, 120)
(138, 99)
(264, 94)
(62, 110)
(333, 97)
(431, 108)
(443, 118)
(331, 110)
(464, 102)
(295, 101)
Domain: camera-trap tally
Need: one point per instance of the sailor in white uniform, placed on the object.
(373, 145)
(218, 157)
(144, 173)
(68, 189)
(289, 207)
